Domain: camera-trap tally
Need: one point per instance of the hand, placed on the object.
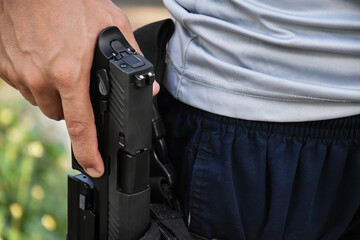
(46, 52)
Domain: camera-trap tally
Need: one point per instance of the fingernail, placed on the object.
(93, 172)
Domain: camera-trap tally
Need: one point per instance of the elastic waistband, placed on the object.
(337, 129)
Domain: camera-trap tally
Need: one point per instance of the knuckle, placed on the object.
(37, 85)
(33, 79)
(77, 129)
(63, 73)
(123, 21)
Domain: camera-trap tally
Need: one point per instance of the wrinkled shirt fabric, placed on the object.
(266, 60)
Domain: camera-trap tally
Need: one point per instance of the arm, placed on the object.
(46, 52)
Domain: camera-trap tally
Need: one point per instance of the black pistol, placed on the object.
(116, 205)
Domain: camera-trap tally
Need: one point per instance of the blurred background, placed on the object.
(35, 155)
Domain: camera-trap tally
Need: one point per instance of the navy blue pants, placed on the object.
(264, 181)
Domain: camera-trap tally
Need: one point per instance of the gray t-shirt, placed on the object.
(268, 60)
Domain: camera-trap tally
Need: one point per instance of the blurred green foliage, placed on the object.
(33, 166)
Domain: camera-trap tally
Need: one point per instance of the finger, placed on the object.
(26, 93)
(49, 102)
(23, 89)
(80, 123)
(156, 88)
(8, 82)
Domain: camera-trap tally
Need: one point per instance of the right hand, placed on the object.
(46, 52)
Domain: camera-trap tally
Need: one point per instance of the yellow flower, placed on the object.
(63, 163)
(48, 222)
(35, 149)
(16, 210)
(14, 135)
(1, 238)
(6, 116)
(37, 192)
